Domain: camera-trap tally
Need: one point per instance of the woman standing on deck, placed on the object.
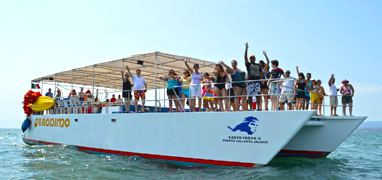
(299, 91)
(321, 93)
(219, 88)
(263, 84)
(314, 94)
(238, 83)
(126, 90)
(195, 88)
(185, 92)
(172, 89)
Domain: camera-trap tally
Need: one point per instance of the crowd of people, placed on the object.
(229, 88)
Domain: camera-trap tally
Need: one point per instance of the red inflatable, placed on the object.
(30, 98)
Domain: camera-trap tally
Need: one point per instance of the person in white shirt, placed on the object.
(140, 88)
(287, 91)
(196, 89)
(333, 96)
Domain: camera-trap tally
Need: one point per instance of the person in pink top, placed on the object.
(347, 92)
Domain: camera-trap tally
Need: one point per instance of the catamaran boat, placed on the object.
(233, 138)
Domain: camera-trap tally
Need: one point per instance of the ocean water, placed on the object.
(359, 157)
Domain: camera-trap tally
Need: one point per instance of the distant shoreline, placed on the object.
(375, 126)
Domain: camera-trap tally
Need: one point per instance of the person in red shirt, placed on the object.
(113, 99)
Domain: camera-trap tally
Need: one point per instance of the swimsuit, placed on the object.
(126, 89)
(300, 89)
(220, 82)
(238, 76)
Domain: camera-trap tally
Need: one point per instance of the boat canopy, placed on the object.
(108, 74)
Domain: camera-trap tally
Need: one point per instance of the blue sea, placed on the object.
(359, 157)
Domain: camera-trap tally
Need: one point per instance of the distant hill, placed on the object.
(371, 126)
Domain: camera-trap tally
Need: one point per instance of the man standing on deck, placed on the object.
(333, 96)
(49, 93)
(286, 91)
(140, 87)
(254, 71)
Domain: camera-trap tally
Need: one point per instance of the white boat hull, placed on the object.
(320, 136)
(216, 138)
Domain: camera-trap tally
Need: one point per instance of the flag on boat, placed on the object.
(35, 86)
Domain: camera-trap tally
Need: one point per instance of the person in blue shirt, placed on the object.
(172, 89)
(49, 93)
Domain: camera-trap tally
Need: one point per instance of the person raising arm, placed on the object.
(140, 87)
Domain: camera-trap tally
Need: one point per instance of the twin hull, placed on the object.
(217, 138)
(321, 136)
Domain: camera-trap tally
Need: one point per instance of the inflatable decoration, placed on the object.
(33, 101)
(30, 98)
(42, 103)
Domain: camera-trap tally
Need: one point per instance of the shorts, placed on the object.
(314, 97)
(307, 96)
(273, 89)
(126, 95)
(209, 96)
(263, 86)
(139, 93)
(242, 85)
(347, 100)
(300, 95)
(333, 101)
(253, 89)
(196, 91)
(186, 92)
(286, 96)
(173, 92)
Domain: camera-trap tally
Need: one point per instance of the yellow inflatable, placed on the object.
(42, 103)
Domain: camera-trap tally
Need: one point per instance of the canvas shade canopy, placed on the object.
(108, 74)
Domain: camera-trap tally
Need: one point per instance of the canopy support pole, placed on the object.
(156, 64)
(93, 80)
(123, 74)
(72, 78)
(55, 85)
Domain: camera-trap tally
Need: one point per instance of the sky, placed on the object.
(42, 37)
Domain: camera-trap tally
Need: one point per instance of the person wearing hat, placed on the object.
(347, 92)
(254, 71)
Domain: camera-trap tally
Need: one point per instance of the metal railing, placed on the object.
(77, 105)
